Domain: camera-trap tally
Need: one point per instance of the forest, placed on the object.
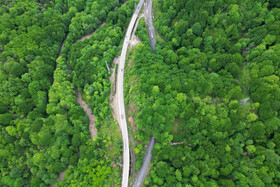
(209, 94)
(44, 131)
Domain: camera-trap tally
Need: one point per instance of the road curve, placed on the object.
(145, 165)
(120, 96)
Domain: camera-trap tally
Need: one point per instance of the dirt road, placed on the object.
(88, 111)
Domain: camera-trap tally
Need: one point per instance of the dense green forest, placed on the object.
(212, 86)
(209, 94)
(44, 131)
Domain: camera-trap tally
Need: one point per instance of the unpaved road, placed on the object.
(120, 96)
(90, 35)
(88, 111)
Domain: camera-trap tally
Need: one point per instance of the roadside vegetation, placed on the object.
(209, 94)
(212, 86)
(44, 131)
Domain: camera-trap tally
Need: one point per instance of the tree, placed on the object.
(4, 154)
(181, 97)
(181, 27)
(6, 118)
(178, 175)
(267, 70)
(186, 171)
(257, 131)
(208, 42)
(15, 173)
(163, 169)
(12, 131)
(233, 69)
(269, 39)
(155, 91)
(265, 111)
(233, 13)
(251, 149)
(226, 182)
(251, 117)
(197, 29)
(272, 125)
(235, 92)
(236, 48)
(197, 42)
(14, 68)
(76, 140)
(274, 3)
(38, 159)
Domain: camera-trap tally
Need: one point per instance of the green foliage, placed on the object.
(197, 29)
(197, 42)
(192, 90)
(210, 56)
(43, 128)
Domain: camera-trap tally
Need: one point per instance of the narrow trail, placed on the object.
(88, 111)
(60, 51)
(89, 35)
(113, 95)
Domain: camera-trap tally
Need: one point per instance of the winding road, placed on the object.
(120, 96)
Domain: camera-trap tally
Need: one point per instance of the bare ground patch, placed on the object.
(113, 95)
(60, 178)
(134, 39)
(132, 111)
(176, 126)
(90, 35)
(88, 111)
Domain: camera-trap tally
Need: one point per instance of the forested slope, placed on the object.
(212, 84)
(44, 130)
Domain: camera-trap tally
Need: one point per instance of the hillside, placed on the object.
(209, 92)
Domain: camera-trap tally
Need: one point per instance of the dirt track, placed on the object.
(92, 129)
(88, 111)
